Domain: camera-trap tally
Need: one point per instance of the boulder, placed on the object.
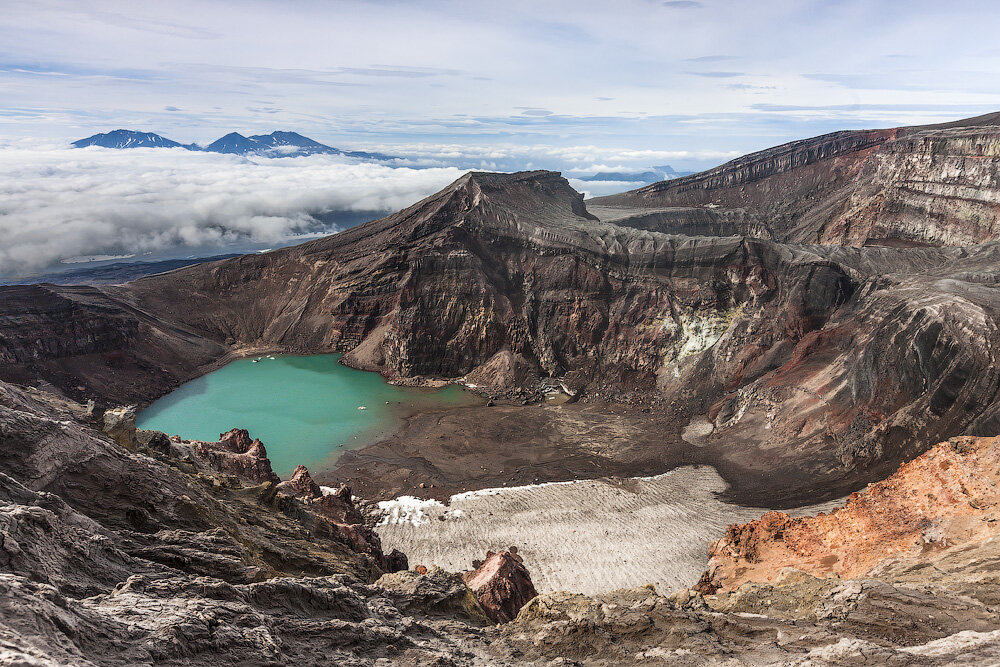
(501, 585)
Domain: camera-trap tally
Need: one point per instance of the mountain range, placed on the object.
(662, 173)
(275, 144)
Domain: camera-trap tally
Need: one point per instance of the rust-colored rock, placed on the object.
(947, 496)
(337, 510)
(336, 506)
(236, 454)
(502, 585)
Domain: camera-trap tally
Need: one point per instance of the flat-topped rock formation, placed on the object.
(930, 185)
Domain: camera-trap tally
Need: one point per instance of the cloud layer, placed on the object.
(59, 204)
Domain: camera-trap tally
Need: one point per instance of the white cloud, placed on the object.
(570, 159)
(57, 204)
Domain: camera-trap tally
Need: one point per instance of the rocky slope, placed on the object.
(931, 185)
(942, 503)
(138, 550)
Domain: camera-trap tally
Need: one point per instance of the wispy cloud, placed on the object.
(710, 59)
(717, 75)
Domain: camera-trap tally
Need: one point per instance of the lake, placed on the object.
(305, 409)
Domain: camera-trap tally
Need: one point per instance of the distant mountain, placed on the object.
(234, 143)
(275, 144)
(654, 175)
(127, 139)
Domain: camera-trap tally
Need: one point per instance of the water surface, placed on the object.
(305, 409)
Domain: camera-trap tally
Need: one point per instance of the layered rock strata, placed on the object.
(909, 186)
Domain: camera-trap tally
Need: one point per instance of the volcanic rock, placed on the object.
(946, 499)
(236, 454)
(502, 585)
(910, 186)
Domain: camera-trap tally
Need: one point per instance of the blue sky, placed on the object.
(688, 83)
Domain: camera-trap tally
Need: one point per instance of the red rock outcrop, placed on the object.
(946, 497)
(336, 506)
(337, 509)
(502, 585)
(236, 454)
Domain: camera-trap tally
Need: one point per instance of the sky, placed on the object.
(579, 86)
(693, 79)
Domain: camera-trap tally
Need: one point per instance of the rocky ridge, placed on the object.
(929, 185)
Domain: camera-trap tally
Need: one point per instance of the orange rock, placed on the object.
(926, 503)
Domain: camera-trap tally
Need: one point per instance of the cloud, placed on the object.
(717, 75)
(573, 159)
(683, 4)
(64, 203)
(710, 59)
(529, 111)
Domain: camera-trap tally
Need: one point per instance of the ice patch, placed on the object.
(497, 490)
(408, 509)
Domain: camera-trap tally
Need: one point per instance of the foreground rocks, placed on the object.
(115, 554)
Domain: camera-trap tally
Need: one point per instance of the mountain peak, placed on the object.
(122, 138)
(233, 143)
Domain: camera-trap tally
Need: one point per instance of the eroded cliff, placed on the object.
(930, 185)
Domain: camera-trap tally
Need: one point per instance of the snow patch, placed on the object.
(408, 509)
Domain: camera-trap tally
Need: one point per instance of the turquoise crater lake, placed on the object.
(303, 408)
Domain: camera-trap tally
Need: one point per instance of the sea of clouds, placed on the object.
(59, 204)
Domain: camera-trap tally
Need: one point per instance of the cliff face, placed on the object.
(499, 264)
(91, 345)
(38, 323)
(933, 185)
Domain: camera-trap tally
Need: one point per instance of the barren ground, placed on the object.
(588, 536)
